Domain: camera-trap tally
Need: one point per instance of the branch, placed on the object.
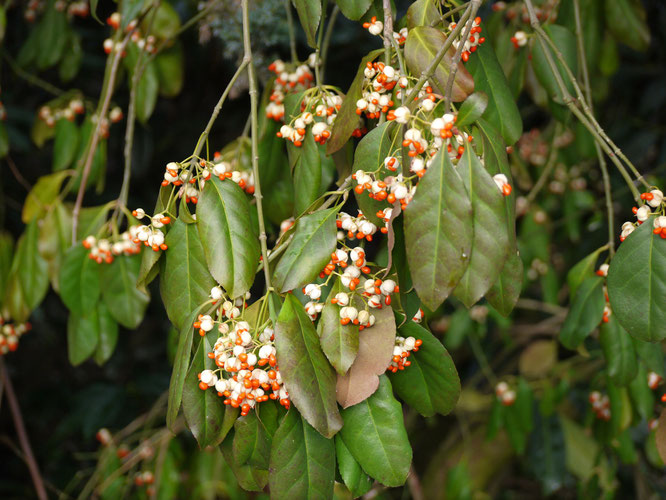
(292, 35)
(21, 432)
(388, 30)
(548, 168)
(32, 79)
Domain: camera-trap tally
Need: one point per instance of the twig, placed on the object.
(481, 356)
(21, 432)
(414, 484)
(30, 78)
(388, 30)
(254, 102)
(448, 14)
(548, 168)
(292, 34)
(535, 305)
(21, 180)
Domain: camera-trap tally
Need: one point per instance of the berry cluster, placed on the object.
(655, 207)
(287, 82)
(147, 43)
(505, 395)
(104, 250)
(318, 111)
(600, 405)
(653, 380)
(35, 7)
(473, 41)
(10, 334)
(246, 357)
(151, 234)
(402, 350)
(358, 227)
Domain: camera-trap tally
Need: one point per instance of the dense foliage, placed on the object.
(401, 259)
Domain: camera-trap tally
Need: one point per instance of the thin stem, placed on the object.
(320, 38)
(254, 102)
(327, 39)
(21, 180)
(448, 14)
(481, 356)
(388, 30)
(15, 410)
(292, 33)
(30, 78)
(453, 68)
(548, 168)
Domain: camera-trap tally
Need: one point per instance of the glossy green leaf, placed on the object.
(491, 243)
(339, 342)
(653, 358)
(65, 145)
(357, 481)
(438, 232)
(505, 292)
(129, 10)
(309, 251)
(374, 355)
(309, 13)
(566, 43)
(251, 444)
(30, 268)
(185, 281)
(170, 66)
(302, 461)
(52, 36)
(305, 369)
(166, 24)
(82, 335)
(374, 433)
(70, 64)
(502, 110)
(55, 235)
(108, 335)
(230, 245)
(430, 384)
(642, 397)
(347, 120)
(627, 21)
(42, 195)
(79, 280)
(637, 284)
(307, 175)
(582, 270)
(587, 307)
(6, 252)
(249, 477)
(619, 352)
(127, 304)
(422, 13)
(203, 410)
(472, 108)
(421, 46)
(353, 9)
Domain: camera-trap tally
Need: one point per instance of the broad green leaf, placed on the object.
(587, 307)
(79, 280)
(304, 368)
(626, 20)
(430, 384)
(65, 145)
(582, 270)
(641, 395)
(637, 284)
(71, 58)
(4, 141)
(653, 358)
(353, 9)
(309, 251)
(93, 11)
(566, 43)
(375, 351)
(13, 303)
(127, 304)
(374, 433)
(619, 352)
(249, 477)
(170, 66)
(185, 282)
(181, 364)
(82, 335)
(302, 461)
(148, 87)
(438, 232)
(357, 481)
(472, 108)
(347, 120)
(251, 444)
(230, 244)
(518, 418)
(339, 342)
(53, 36)
(422, 13)
(129, 10)
(491, 243)
(108, 335)
(309, 13)
(166, 24)
(502, 110)
(55, 236)
(421, 46)
(458, 482)
(30, 268)
(504, 293)
(203, 410)
(278, 201)
(6, 252)
(307, 175)
(42, 195)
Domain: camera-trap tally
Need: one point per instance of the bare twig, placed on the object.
(414, 484)
(547, 169)
(30, 78)
(388, 30)
(15, 171)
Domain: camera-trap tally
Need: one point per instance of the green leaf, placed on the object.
(374, 433)
(252, 443)
(653, 358)
(472, 108)
(626, 20)
(6, 251)
(305, 369)
(165, 25)
(108, 335)
(185, 282)
(357, 481)
(79, 280)
(309, 251)
(55, 237)
(302, 461)
(203, 410)
(502, 111)
(149, 259)
(422, 13)
(65, 144)
(430, 384)
(438, 232)
(504, 293)
(93, 11)
(339, 342)
(71, 58)
(127, 304)
(52, 36)
(82, 335)
(42, 195)
(582, 270)
(230, 244)
(181, 364)
(353, 9)
(491, 243)
(4, 141)
(619, 352)
(374, 355)
(170, 66)
(309, 13)
(566, 43)
(347, 120)
(587, 307)
(148, 86)
(249, 477)
(307, 175)
(421, 46)
(583, 457)
(30, 268)
(640, 393)
(637, 284)
(129, 10)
